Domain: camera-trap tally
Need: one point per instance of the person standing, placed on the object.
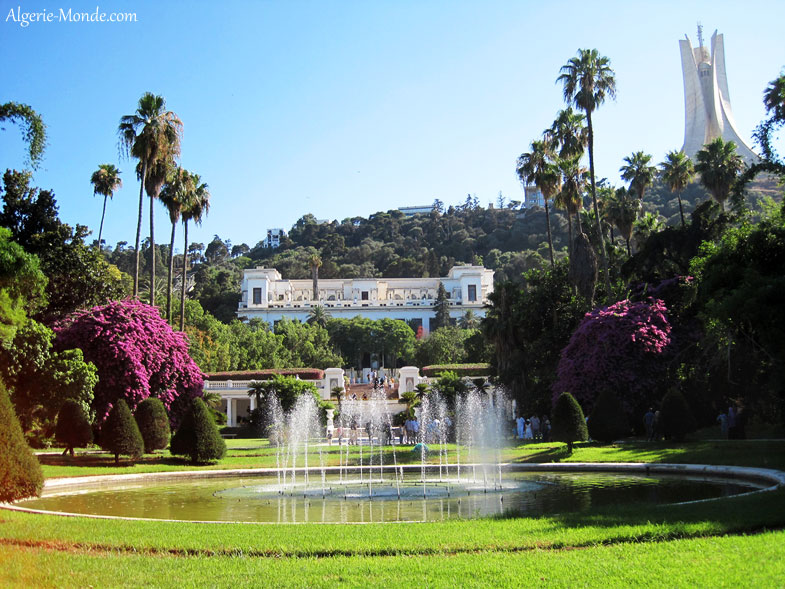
(722, 418)
(535, 427)
(521, 422)
(648, 423)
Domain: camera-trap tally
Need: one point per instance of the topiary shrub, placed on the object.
(198, 436)
(120, 434)
(607, 420)
(20, 473)
(73, 428)
(676, 419)
(568, 423)
(153, 424)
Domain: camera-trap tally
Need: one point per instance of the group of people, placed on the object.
(733, 423)
(533, 428)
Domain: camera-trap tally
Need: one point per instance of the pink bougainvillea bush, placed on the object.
(620, 348)
(137, 353)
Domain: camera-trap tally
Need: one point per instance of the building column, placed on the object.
(230, 412)
(253, 403)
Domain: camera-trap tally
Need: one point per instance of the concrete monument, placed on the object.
(707, 110)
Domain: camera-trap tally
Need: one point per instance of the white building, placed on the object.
(274, 237)
(416, 210)
(266, 295)
(533, 196)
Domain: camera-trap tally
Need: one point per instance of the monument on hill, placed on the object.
(707, 110)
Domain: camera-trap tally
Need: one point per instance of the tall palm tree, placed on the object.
(535, 167)
(568, 136)
(195, 206)
(105, 180)
(719, 165)
(316, 263)
(469, 320)
(677, 171)
(173, 195)
(151, 135)
(622, 209)
(570, 198)
(588, 80)
(646, 226)
(638, 172)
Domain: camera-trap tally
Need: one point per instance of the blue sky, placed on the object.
(341, 108)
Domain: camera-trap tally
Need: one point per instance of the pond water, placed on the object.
(395, 499)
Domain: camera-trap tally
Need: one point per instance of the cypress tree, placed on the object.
(607, 421)
(153, 424)
(73, 428)
(198, 436)
(20, 473)
(568, 423)
(442, 309)
(120, 434)
(676, 419)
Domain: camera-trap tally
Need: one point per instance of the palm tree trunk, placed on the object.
(550, 237)
(101, 228)
(315, 277)
(578, 220)
(569, 234)
(152, 253)
(171, 275)
(139, 231)
(185, 274)
(603, 253)
(681, 208)
(629, 252)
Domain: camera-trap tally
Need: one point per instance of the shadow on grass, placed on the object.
(106, 461)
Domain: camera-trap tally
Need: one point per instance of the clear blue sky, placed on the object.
(341, 108)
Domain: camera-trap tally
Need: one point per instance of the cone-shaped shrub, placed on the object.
(607, 420)
(676, 419)
(120, 434)
(20, 473)
(153, 423)
(73, 429)
(568, 423)
(198, 436)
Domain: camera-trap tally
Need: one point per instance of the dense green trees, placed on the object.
(33, 129)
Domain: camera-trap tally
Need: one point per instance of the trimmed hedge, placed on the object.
(153, 424)
(266, 374)
(73, 428)
(676, 419)
(198, 436)
(607, 421)
(568, 423)
(20, 473)
(462, 370)
(120, 434)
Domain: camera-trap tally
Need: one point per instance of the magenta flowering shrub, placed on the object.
(618, 348)
(137, 353)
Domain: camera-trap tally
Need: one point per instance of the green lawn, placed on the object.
(730, 542)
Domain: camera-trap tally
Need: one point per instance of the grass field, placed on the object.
(730, 542)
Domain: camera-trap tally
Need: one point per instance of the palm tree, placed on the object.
(570, 198)
(318, 315)
(469, 320)
(316, 262)
(645, 227)
(195, 206)
(535, 167)
(623, 209)
(588, 80)
(567, 137)
(105, 180)
(638, 173)
(258, 390)
(719, 165)
(173, 194)
(151, 135)
(677, 171)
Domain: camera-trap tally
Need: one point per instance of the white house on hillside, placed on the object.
(266, 295)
